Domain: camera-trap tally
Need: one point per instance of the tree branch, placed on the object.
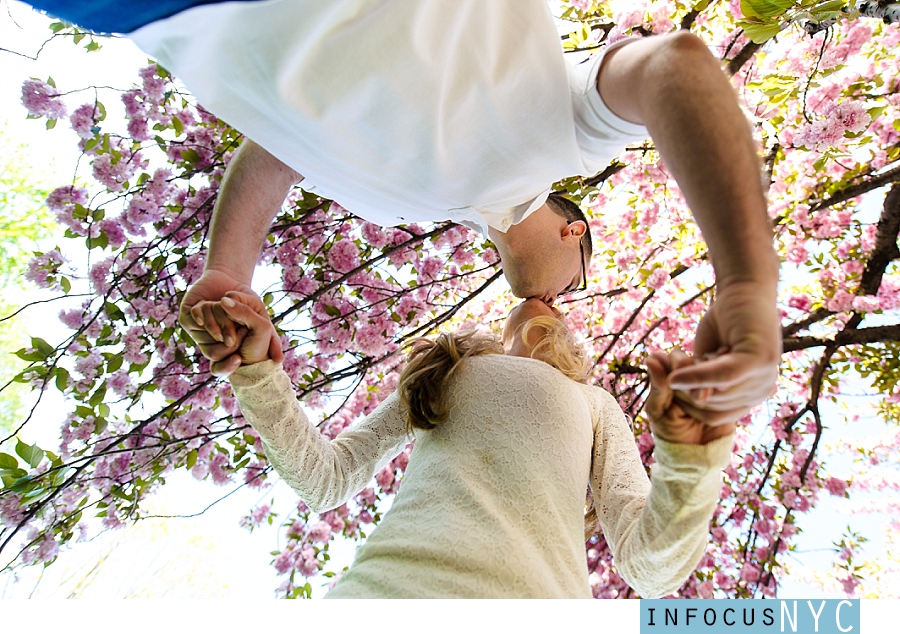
(736, 62)
(848, 193)
(875, 334)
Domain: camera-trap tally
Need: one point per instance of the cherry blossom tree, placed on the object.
(820, 84)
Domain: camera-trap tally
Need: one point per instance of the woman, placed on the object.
(492, 501)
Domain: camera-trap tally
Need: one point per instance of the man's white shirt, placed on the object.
(401, 110)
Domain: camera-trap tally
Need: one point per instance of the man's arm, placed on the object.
(676, 88)
(253, 190)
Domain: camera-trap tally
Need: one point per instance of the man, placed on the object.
(405, 111)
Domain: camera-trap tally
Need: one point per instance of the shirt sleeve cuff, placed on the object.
(715, 455)
(249, 375)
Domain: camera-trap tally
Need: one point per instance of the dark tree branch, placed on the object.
(737, 62)
(848, 193)
(876, 334)
(885, 250)
(688, 20)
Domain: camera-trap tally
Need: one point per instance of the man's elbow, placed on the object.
(681, 55)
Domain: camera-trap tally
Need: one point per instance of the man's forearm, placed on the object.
(253, 190)
(675, 87)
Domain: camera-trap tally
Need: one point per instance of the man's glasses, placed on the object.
(583, 285)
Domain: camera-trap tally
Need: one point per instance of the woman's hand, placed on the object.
(671, 418)
(251, 326)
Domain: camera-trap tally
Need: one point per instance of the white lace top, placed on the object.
(492, 502)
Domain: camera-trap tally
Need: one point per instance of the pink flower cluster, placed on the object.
(84, 120)
(42, 269)
(42, 100)
(849, 117)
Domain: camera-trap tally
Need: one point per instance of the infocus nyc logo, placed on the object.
(750, 616)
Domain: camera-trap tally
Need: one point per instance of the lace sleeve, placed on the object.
(659, 532)
(324, 473)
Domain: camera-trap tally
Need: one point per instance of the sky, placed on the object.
(209, 556)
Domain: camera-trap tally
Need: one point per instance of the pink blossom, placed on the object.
(430, 269)
(852, 116)
(115, 168)
(719, 535)
(371, 341)
(849, 585)
(343, 256)
(385, 478)
(120, 383)
(114, 231)
(154, 85)
(73, 318)
(218, 469)
(657, 278)
(42, 100)
(84, 120)
(366, 497)
(801, 302)
(374, 235)
(750, 572)
(320, 532)
(43, 268)
(836, 486)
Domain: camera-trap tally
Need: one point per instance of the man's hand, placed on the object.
(217, 335)
(742, 334)
(671, 418)
(253, 326)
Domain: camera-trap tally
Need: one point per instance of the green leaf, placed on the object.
(93, 46)
(51, 123)
(332, 311)
(32, 454)
(9, 476)
(56, 27)
(100, 425)
(114, 363)
(765, 8)
(24, 355)
(177, 125)
(62, 379)
(8, 462)
(98, 396)
(78, 37)
(42, 346)
(66, 284)
(830, 6)
(113, 312)
(760, 33)
(100, 242)
(191, 459)
(190, 155)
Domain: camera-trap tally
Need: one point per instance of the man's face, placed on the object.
(541, 255)
(543, 273)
